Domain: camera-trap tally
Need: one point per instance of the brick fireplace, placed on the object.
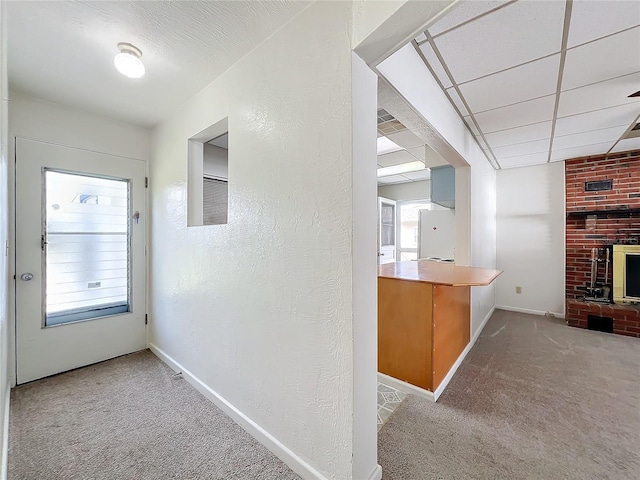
(600, 214)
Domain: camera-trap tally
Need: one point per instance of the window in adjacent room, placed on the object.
(208, 176)
(215, 181)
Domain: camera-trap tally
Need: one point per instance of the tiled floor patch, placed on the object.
(388, 400)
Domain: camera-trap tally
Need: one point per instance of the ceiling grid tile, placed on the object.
(483, 40)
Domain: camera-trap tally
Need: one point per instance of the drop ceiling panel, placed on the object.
(458, 102)
(535, 79)
(600, 95)
(601, 60)
(597, 120)
(528, 133)
(581, 151)
(519, 149)
(395, 158)
(591, 20)
(406, 139)
(462, 12)
(483, 40)
(627, 144)
(419, 175)
(524, 160)
(393, 179)
(588, 138)
(525, 113)
(435, 64)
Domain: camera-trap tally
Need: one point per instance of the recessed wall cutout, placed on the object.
(208, 176)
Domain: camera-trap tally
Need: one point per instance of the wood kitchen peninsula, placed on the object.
(424, 318)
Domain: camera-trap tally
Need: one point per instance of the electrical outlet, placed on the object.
(518, 289)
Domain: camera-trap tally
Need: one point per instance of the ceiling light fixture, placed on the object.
(400, 169)
(128, 61)
(385, 145)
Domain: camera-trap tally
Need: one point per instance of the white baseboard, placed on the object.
(528, 310)
(462, 356)
(376, 474)
(405, 387)
(296, 463)
(5, 434)
(433, 396)
(476, 335)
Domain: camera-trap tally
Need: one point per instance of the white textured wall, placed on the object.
(406, 191)
(260, 309)
(408, 74)
(531, 238)
(50, 122)
(4, 237)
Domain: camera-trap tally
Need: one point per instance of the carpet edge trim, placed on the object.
(405, 387)
(297, 464)
(527, 310)
(4, 465)
(462, 356)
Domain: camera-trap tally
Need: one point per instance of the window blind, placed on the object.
(216, 201)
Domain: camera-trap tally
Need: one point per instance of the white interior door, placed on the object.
(386, 230)
(80, 258)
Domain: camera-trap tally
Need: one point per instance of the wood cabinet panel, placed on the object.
(451, 328)
(405, 331)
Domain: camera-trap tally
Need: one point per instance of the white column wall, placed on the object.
(531, 239)
(365, 271)
(261, 310)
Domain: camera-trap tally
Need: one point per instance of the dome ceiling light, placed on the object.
(128, 61)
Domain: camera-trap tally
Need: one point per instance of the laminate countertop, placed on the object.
(438, 273)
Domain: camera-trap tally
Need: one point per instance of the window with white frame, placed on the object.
(408, 212)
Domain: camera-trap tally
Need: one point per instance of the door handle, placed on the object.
(26, 276)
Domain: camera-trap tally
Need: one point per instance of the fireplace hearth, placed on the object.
(597, 223)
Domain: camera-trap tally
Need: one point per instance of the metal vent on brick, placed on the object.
(598, 186)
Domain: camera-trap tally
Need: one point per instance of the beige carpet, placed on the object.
(128, 418)
(534, 399)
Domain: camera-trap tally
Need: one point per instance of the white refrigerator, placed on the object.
(437, 234)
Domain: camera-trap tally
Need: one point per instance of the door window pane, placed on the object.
(86, 245)
(388, 225)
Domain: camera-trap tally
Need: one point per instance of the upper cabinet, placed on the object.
(443, 186)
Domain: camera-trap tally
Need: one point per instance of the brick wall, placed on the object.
(604, 228)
